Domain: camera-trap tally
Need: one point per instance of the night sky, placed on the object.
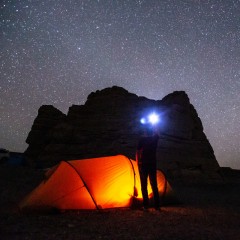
(57, 52)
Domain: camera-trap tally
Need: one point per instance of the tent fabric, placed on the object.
(97, 183)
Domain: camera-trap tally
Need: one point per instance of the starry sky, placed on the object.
(59, 51)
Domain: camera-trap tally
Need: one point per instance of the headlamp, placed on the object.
(152, 119)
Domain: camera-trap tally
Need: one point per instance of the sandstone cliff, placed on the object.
(108, 124)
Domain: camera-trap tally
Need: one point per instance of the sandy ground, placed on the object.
(204, 212)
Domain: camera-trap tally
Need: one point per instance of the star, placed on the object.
(57, 53)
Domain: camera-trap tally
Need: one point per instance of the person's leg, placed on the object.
(143, 177)
(153, 182)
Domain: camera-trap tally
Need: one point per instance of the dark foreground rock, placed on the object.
(108, 124)
(206, 211)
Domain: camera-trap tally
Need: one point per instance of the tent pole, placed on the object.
(84, 183)
(134, 176)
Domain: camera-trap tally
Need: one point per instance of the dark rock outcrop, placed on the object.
(38, 138)
(108, 124)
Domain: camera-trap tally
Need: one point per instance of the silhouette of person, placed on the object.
(147, 165)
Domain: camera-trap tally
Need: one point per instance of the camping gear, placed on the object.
(97, 183)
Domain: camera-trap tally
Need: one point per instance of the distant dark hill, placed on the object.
(108, 124)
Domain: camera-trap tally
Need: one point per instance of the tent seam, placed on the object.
(134, 176)
(84, 183)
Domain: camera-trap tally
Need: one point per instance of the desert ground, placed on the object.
(203, 211)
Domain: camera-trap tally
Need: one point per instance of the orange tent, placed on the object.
(97, 183)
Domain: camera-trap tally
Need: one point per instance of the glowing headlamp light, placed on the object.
(152, 118)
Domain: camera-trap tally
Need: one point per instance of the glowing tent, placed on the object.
(98, 183)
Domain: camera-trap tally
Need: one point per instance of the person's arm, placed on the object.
(139, 156)
(139, 152)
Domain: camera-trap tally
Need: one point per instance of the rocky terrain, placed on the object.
(109, 124)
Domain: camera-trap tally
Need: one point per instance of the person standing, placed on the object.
(147, 165)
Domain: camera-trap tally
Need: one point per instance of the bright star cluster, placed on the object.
(59, 51)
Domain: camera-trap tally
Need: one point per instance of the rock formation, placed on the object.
(108, 124)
